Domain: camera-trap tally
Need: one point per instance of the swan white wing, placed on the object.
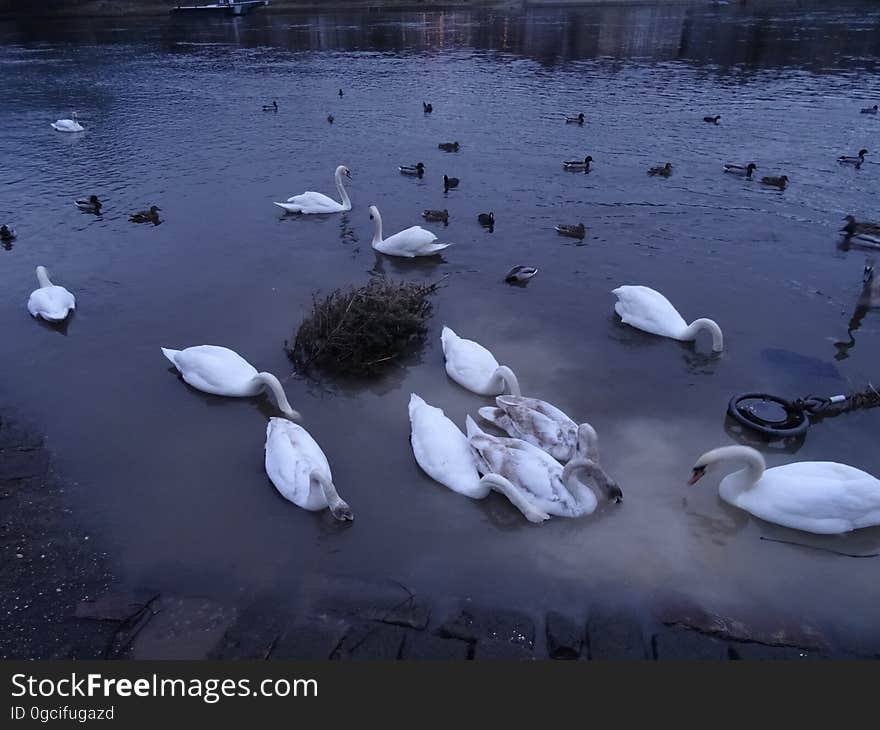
(52, 303)
(291, 457)
(217, 370)
(470, 365)
(412, 241)
(67, 125)
(542, 425)
(648, 310)
(312, 202)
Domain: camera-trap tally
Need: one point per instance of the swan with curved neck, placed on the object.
(821, 497)
(316, 203)
(221, 371)
(408, 243)
(50, 302)
(648, 310)
(67, 125)
(298, 468)
(473, 367)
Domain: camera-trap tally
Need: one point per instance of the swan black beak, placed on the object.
(697, 474)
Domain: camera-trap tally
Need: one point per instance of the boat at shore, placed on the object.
(221, 7)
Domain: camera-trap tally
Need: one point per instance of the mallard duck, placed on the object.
(520, 274)
(662, 170)
(449, 182)
(273, 107)
(7, 233)
(577, 231)
(741, 170)
(146, 216)
(417, 169)
(857, 161)
(579, 119)
(436, 215)
(712, 120)
(777, 182)
(330, 118)
(486, 219)
(449, 146)
(859, 228)
(578, 164)
(88, 205)
(428, 108)
(870, 109)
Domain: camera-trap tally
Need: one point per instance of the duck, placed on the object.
(859, 228)
(578, 164)
(428, 108)
(579, 119)
(712, 120)
(474, 368)
(534, 482)
(273, 107)
(741, 170)
(89, 205)
(449, 146)
(408, 243)
(662, 170)
(221, 371)
(340, 92)
(776, 182)
(821, 497)
(543, 425)
(300, 471)
(50, 302)
(146, 216)
(330, 118)
(870, 109)
(436, 215)
(449, 182)
(578, 231)
(520, 274)
(317, 203)
(67, 125)
(857, 161)
(486, 219)
(442, 451)
(7, 232)
(648, 310)
(417, 169)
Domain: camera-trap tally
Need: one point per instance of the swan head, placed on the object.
(342, 512)
(374, 213)
(343, 170)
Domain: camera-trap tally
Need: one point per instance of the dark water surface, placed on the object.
(174, 479)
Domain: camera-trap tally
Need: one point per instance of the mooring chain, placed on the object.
(819, 406)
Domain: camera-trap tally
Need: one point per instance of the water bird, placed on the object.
(449, 146)
(870, 110)
(648, 310)
(857, 228)
(473, 367)
(849, 160)
(50, 302)
(712, 120)
(449, 182)
(578, 231)
(330, 118)
(300, 471)
(417, 169)
(579, 119)
(821, 497)
(7, 232)
(340, 92)
(89, 205)
(436, 215)
(146, 216)
(486, 219)
(578, 164)
(408, 243)
(741, 170)
(221, 371)
(777, 182)
(662, 170)
(427, 108)
(68, 125)
(520, 274)
(273, 107)
(315, 203)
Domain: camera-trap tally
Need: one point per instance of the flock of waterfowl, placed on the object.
(547, 464)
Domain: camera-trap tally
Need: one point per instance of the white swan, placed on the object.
(299, 470)
(543, 425)
(52, 303)
(409, 243)
(222, 371)
(67, 125)
(648, 310)
(312, 202)
(473, 367)
(822, 497)
(534, 481)
(442, 451)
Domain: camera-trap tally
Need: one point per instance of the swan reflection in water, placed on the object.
(869, 298)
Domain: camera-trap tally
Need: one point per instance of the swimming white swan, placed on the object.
(473, 367)
(534, 481)
(299, 470)
(67, 125)
(312, 202)
(52, 303)
(648, 310)
(409, 243)
(222, 371)
(822, 497)
(443, 451)
(543, 425)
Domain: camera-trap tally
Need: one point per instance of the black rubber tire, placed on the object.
(799, 420)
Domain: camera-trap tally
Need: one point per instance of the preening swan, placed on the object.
(443, 451)
(543, 425)
(822, 497)
(534, 481)
(50, 302)
(67, 125)
(409, 243)
(222, 371)
(299, 470)
(312, 202)
(648, 310)
(473, 367)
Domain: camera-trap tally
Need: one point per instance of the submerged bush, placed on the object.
(361, 331)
